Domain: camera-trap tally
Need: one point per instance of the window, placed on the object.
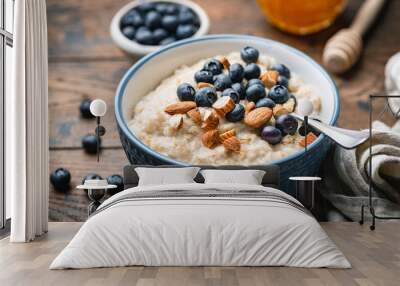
(6, 43)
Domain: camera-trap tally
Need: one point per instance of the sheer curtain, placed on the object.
(27, 124)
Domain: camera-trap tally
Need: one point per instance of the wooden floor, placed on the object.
(375, 257)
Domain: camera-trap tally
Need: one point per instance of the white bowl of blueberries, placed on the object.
(142, 27)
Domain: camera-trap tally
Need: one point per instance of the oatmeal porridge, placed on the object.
(230, 109)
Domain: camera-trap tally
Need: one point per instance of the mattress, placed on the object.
(201, 225)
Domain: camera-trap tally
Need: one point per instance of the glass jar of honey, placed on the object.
(301, 17)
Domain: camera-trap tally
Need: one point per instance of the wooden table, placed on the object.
(84, 62)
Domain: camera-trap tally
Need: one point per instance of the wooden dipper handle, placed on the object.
(344, 48)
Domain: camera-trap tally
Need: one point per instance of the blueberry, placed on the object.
(236, 72)
(137, 21)
(222, 81)
(129, 32)
(255, 92)
(203, 76)
(236, 114)
(170, 22)
(167, 41)
(232, 93)
(279, 94)
(265, 102)
(89, 143)
(115, 180)
(84, 108)
(146, 7)
(132, 18)
(60, 179)
(159, 35)
(161, 8)
(281, 69)
(171, 9)
(185, 92)
(252, 71)
(255, 81)
(302, 129)
(153, 20)
(205, 97)
(239, 88)
(186, 17)
(144, 36)
(185, 31)
(249, 55)
(287, 124)
(271, 134)
(214, 66)
(282, 80)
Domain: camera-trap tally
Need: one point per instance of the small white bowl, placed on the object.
(135, 48)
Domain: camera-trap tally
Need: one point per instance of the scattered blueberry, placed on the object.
(239, 89)
(91, 177)
(249, 55)
(129, 32)
(170, 22)
(265, 102)
(167, 41)
(185, 92)
(115, 180)
(203, 76)
(255, 92)
(222, 81)
(101, 130)
(236, 114)
(287, 124)
(205, 97)
(279, 94)
(252, 71)
(214, 66)
(281, 69)
(60, 179)
(144, 36)
(84, 108)
(159, 35)
(153, 20)
(236, 72)
(282, 80)
(89, 143)
(255, 81)
(271, 134)
(232, 94)
(302, 129)
(185, 31)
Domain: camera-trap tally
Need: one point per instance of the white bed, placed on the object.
(221, 225)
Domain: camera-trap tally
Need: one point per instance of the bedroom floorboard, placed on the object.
(375, 257)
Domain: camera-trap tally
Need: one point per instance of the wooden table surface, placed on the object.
(85, 63)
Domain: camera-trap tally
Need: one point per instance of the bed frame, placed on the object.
(271, 177)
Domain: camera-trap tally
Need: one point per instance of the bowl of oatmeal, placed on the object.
(225, 100)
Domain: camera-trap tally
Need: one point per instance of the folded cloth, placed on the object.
(346, 185)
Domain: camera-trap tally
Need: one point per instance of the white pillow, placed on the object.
(166, 176)
(248, 177)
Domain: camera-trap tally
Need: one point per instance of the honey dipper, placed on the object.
(344, 48)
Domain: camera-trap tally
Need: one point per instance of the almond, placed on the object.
(258, 117)
(249, 107)
(195, 115)
(225, 62)
(210, 138)
(204, 84)
(211, 120)
(269, 78)
(180, 107)
(176, 121)
(227, 134)
(232, 144)
(310, 139)
(280, 110)
(223, 105)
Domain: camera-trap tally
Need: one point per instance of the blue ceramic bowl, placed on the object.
(147, 73)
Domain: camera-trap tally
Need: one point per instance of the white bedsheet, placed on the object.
(200, 231)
